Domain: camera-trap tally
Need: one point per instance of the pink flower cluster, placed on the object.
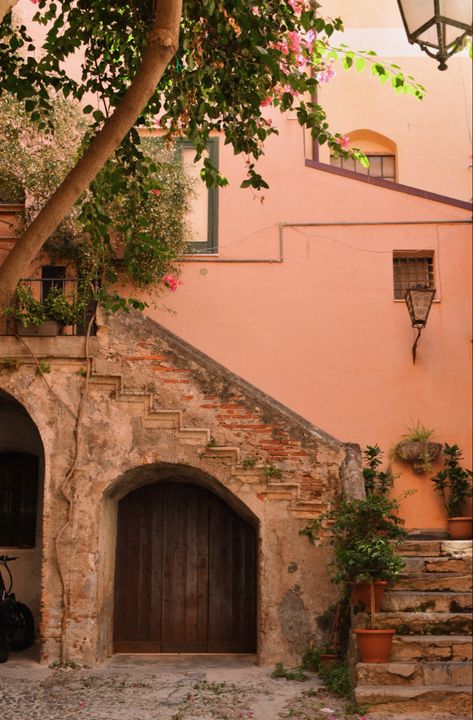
(298, 6)
(171, 282)
(344, 142)
(156, 191)
(325, 75)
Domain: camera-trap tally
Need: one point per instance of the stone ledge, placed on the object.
(62, 346)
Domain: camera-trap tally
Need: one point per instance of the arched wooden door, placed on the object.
(185, 578)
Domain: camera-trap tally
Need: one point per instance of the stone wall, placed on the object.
(155, 407)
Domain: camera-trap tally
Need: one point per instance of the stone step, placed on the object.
(435, 581)
(419, 623)
(433, 548)
(458, 565)
(400, 700)
(426, 601)
(456, 673)
(431, 648)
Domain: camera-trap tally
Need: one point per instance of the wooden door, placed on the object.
(185, 577)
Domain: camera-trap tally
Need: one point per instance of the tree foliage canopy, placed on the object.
(231, 59)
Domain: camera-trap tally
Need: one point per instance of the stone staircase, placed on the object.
(143, 406)
(431, 661)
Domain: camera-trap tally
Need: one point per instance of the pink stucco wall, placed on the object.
(320, 330)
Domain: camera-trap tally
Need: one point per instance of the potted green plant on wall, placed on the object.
(365, 536)
(47, 317)
(418, 448)
(454, 483)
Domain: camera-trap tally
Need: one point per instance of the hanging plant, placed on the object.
(418, 448)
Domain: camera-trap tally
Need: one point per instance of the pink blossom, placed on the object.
(255, 10)
(267, 101)
(325, 75)
(294, 41)
(156, 191)
(344, 142)
(171, 282)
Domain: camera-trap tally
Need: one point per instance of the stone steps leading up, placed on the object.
(420, 623)
(435, 582)
(431, 648)
(450, 672)
(408, 699)
(418, 565)
(430, 607)
(427, 601)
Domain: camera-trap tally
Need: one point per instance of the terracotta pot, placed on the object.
(374, 646)
(360, 594)
(460, 528)
(327, 659)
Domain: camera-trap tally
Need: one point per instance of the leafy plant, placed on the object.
(43, 368)
(454, 483)
(420, 456)
(271, 471)
(280, 671)
(365, 534)
(249, 462)
(56, 306)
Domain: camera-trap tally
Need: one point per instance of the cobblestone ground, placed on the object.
(163, 688)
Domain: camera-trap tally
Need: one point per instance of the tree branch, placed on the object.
(162, 43)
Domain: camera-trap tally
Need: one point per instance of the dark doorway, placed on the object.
(185, 578)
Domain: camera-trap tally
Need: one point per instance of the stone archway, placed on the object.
(185, 572)
(21, 498)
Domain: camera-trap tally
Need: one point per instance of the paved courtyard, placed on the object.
(131, 687)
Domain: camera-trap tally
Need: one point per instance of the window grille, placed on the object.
(381, 166)
(411, 271)
(18, 499)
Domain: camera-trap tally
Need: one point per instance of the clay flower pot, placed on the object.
(360, 593)
(374, 646)
(328, 659)
(460, 528)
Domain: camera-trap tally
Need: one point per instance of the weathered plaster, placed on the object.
(150, 409)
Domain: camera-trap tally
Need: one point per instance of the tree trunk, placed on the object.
(162, 43)
(5, 7)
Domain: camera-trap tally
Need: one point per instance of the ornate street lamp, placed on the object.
(419, 301)
(438, 26)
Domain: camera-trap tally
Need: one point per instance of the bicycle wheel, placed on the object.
(21, 627)
(4, 651)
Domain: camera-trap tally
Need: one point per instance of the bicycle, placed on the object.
(16, 619)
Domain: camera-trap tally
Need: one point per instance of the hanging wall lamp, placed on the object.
(438, 26)
(419, 301)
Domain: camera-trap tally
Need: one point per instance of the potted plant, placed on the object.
(454, 483)
(44, 318)
(365, 537)
(417, 447)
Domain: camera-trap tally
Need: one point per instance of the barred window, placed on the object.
(18, 499)
(412, 270)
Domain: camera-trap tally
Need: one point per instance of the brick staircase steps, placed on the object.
(425, 601)
(430, 607)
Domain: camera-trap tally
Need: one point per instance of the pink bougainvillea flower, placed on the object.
(156, 191)
(344, 142)
(171, 282)
(255, 10)
(267, 101)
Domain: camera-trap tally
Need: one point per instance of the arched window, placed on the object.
(380, 151)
